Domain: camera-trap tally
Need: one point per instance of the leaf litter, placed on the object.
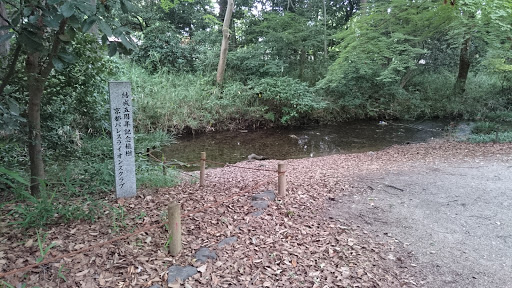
(293, 244)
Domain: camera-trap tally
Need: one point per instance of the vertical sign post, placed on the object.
(122, 138)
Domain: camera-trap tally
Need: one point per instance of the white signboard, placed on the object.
(122, 138)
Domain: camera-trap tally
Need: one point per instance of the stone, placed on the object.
(257, 213)
(182, 273)
(227, 241)
(260, 204)
(123, 138)
(155, 286)
(202, 255)
(267, 195)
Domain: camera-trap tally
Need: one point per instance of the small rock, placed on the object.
(155, 286)
(257, 213)
(203, 254)
(179, 272)
(227, 241)
(260, 204)
(267, 195)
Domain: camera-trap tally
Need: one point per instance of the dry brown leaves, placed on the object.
(293, 244)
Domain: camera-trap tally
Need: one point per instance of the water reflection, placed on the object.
(312, 141)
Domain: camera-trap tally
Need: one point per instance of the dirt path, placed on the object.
(451, 215)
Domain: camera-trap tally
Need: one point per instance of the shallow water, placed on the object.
(309, 141)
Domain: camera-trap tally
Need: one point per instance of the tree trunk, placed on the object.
(35, 93)
(325, 31)
(4, 47)
(225, 43)
(464, 64)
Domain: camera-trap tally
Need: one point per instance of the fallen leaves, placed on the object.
(292, 244)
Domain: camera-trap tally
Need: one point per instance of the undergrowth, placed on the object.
(75, 186)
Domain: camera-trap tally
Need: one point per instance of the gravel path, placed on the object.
(451, 215)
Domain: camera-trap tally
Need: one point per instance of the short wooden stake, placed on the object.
(201, 172)
(164, 168)
(281, 180)
(174, 217)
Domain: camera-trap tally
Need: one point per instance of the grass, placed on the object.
(75, 184)
(504, 137)
(178, 102)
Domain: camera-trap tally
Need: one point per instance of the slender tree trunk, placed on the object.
(225, 43)
(4, 47)
(464, 64)
(325, 31)
(35, 92)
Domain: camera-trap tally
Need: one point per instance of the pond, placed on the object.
(308, 141)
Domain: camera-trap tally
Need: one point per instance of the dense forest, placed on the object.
(288, 63)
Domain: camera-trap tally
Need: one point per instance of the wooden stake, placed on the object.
(201, 172)
(281, 179)
(164, 168)
(174, 217)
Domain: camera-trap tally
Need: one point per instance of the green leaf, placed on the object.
(65, 37)
(67, 57)
(6, 37)
(126, 6)
(67, 9)
(119, 31)
(51, 22)
(127, 43)
(27, 11)
(14, 107)
(88, 23)
(86, 7)
(104, 28)
(59, 65)
(52, 2)
(104, 39)
(112, 49)
(13, 175)
(32, 43)
(33, 19)
(73, 21)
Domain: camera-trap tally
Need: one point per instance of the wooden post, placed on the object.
(164, 168)
(174, 217)
(281, 179)
(201, 172)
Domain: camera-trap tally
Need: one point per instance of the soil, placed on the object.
(421, 215)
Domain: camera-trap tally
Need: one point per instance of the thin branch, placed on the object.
(12, 67)
(55, 48)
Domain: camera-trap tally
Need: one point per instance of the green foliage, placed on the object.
(284, 99)
(504, 137)
(11, 119)
(49, 209)
(285, 43)
(163, 48)
(42, 249)
(74, 182)
(118, 218)
(485, 128)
